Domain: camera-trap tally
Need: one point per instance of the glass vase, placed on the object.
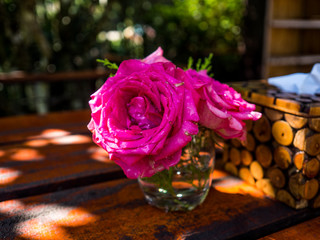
(185, 185)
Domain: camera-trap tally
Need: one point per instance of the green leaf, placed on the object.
(202, 65)
(108, 64)
(190, 63)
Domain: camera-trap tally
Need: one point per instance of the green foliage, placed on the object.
(70, 35)
(108, 64)
(204, 64)
(50, 36)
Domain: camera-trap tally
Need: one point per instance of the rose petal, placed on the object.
(156, 56)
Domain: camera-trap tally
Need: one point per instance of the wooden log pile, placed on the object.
(281, 155)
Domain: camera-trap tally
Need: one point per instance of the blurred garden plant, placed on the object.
(49, 36)
(57, 35)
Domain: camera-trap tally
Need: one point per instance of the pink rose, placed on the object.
(156, 56)
(220, 107)
(144, 116)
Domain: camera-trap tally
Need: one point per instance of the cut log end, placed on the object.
(246, 157)
(249, 143)
(300, 138)
(266, 187)
(282, 132)
(256, 170)
(245, 175)
(231, 168)
(295, 121)
(273, 115)
(264, 155)
(283, 157)
(299, 159)
(262, 129)
(311, 168)
(285, 197)
(312, 145)
(276, 177)
(235, 157)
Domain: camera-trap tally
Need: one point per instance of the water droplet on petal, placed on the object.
(179, 84)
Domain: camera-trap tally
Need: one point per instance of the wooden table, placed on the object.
(57, 184)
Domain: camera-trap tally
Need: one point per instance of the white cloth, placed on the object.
(300, 83)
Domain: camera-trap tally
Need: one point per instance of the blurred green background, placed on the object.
(57, 36)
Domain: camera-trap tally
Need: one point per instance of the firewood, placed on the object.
(295, 121)
(259, 108)
(264, 155)
(276, 177)
(311, 168)
(262, 129)
(249, 143)
(235, 156)
(265, 186)
(249, 124)
(225, 154)
(256, 170)
(295, 185)
(298, 159)
(245, 175)
(272, 114)
(314, 122)
(246, 157)
(288, 104)
(231, 168)
(303, 188)
(285, 197)
(282, 157)
(309, 189)
(300, 138)
(235, 142)
(282, 132)
(316, 202)
(312, 145)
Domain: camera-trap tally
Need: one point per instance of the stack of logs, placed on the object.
(281, 156)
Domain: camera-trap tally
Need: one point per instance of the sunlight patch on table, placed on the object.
(26, 154)
(72, 139)
(8, 175)
(47, 221)
(99, 154)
